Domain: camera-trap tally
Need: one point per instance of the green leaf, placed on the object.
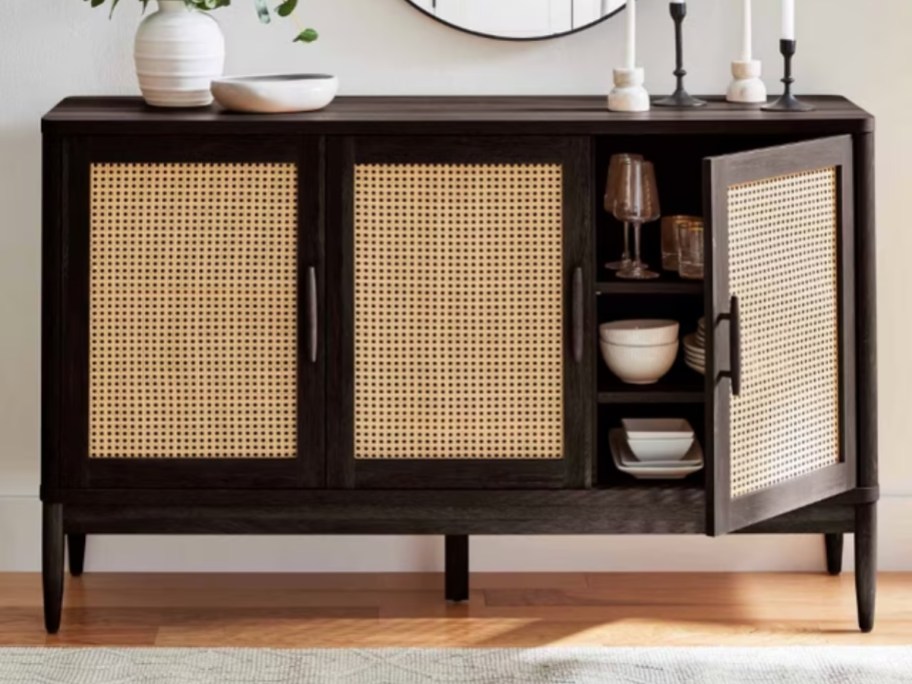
(286, 8)
(96, 3)
(263, 11)
(113, 5)
(307, 36)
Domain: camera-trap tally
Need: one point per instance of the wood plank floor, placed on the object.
(522, 610)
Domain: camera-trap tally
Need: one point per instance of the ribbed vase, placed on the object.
(178, 52)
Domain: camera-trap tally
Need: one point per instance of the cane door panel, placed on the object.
(781, 353)
(464, 259)
(192, 303)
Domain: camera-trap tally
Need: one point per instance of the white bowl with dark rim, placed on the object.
(275, 93)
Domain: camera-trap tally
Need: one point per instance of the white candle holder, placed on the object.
(628, 94)
(747, 87)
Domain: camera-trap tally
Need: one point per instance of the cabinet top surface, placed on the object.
(483, 115)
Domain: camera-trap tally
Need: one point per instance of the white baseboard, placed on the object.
(20, 537)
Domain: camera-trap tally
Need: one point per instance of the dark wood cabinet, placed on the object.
(382, 318)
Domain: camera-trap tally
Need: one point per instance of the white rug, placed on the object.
(855, 665)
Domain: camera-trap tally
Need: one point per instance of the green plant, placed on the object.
(285, 8)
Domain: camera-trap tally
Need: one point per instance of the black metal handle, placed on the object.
(734, 345)
(313, 331)
(577, 313)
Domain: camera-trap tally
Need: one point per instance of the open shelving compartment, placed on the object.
(682, 392)
(693, 175)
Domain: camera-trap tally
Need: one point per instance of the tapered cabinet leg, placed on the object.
(833, 553)
(866, 563)
(76, 551)
(52, 561)
(457, 568)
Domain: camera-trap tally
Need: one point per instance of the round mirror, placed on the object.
(519, 19)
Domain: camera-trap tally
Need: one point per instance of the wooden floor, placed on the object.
(520, 610)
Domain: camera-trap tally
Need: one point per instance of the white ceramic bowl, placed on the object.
(276, 94)
(639, 365)
(657, 428)
(651, 450)
(640, 332)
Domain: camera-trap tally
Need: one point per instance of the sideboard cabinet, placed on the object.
(383, 318)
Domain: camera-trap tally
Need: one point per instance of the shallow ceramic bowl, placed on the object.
(276, 93)
(651, 450)
(640, 332)
(639, 365)
(657, 428)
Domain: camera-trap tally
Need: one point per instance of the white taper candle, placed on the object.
(788, 19)
(747, 40)
(630, 61)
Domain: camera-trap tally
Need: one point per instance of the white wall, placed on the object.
(52, 49)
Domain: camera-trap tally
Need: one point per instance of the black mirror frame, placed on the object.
(514, 39)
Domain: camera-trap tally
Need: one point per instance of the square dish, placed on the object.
(620, 454)
(657, 428)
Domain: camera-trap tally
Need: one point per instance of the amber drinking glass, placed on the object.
(690, 249)
(614, 171)
(637, 202)
(670, 240)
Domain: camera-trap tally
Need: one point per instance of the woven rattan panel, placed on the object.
(458, 311)
(783, 267)
(193, 289)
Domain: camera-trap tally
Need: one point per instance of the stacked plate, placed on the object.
(695, 348)
(656, 449)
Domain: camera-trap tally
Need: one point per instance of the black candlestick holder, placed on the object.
(680, 97)
(788, 102)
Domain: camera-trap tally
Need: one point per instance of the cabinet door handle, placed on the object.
(577, 314)
(313, 331)
(734, 345)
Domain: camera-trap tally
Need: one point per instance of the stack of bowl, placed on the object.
(695, 348)
(639, 351)
(656, 448)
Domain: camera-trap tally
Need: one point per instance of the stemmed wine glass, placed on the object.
(637, 202)
(614, 171)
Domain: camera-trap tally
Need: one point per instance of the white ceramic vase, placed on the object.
(178, 52)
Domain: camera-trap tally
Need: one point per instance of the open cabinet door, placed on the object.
(780, 349)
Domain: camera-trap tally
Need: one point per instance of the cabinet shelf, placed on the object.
(689, 491)
(680, 386)
(654, 395)
(666, 285)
